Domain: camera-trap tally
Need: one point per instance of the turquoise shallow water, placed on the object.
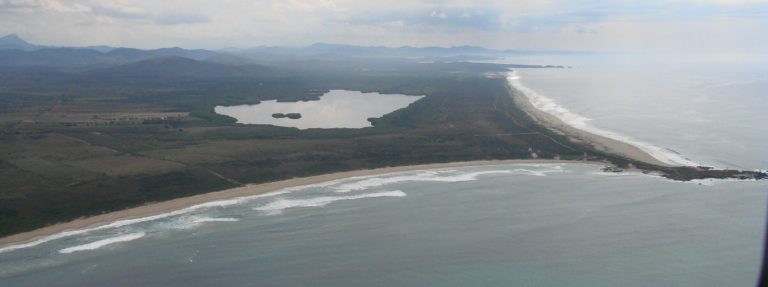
(521, 225)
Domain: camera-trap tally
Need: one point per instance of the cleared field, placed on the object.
(110, 147)
(111, 144)
(103, 118)
(124, 165)
(51, 146)
(54, 169)
(232, 150)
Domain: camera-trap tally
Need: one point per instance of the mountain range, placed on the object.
(16, 52)
(173, 69)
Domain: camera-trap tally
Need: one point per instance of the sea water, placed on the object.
(685, 109)
(507, 225)
(523, 225)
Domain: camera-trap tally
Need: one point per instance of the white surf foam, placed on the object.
(277, 206)
(214, 219)
(550, 106)
(189, 222)
(434, 176)
(342, 185)
(363, 183)
(101, 243)
(355, 183)
(126, 222)
(714, 181)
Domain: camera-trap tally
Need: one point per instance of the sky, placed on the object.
(684, 26)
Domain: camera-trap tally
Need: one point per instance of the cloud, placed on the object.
(66, 8)
(6, 5)
(445, 18)
(304, 5)
(179, 19)
(507, 24)
(119, 11)
(734, 2)
(51, 5)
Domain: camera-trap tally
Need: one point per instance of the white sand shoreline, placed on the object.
(153, 209)
(598, 142)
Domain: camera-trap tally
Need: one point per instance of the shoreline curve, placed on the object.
(156, 208)
(598, 142)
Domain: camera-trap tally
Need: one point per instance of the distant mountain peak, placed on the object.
(11, 37)
(14, 42)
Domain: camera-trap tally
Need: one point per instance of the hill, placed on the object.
(13, 42)
(173, 69)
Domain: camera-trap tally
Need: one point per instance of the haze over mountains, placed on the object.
(16, 52)
(13, 42)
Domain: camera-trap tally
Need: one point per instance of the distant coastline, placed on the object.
(605, 151)
(598, 142)
(630, 155)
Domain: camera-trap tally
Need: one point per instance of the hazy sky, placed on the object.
(650, 25)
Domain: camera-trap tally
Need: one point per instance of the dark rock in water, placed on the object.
(292, 116)
(612, 169)
(685, 173)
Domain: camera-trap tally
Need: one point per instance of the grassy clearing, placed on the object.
(126, 165)
(105, 146)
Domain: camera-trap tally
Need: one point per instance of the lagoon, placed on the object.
(335, 109)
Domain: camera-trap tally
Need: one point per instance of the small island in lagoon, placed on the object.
(164, 139)
(335, 108)
(293, 116)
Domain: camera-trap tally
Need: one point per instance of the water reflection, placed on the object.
(335, 109)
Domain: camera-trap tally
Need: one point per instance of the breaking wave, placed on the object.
(550, 106)
(344, 185)
(363, 183)
(214, 219)
(101, 243)
(277, 206)
(126, 222)
(435, 176)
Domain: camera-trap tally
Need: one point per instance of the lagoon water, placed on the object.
(334, 109)
(507, 225)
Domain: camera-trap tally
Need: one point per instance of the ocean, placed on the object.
(684, 109)
(514, 224)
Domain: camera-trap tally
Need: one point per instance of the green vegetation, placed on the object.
(73, 144)
(292, 116)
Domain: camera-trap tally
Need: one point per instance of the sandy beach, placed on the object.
(599, 142)
(254, 189)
